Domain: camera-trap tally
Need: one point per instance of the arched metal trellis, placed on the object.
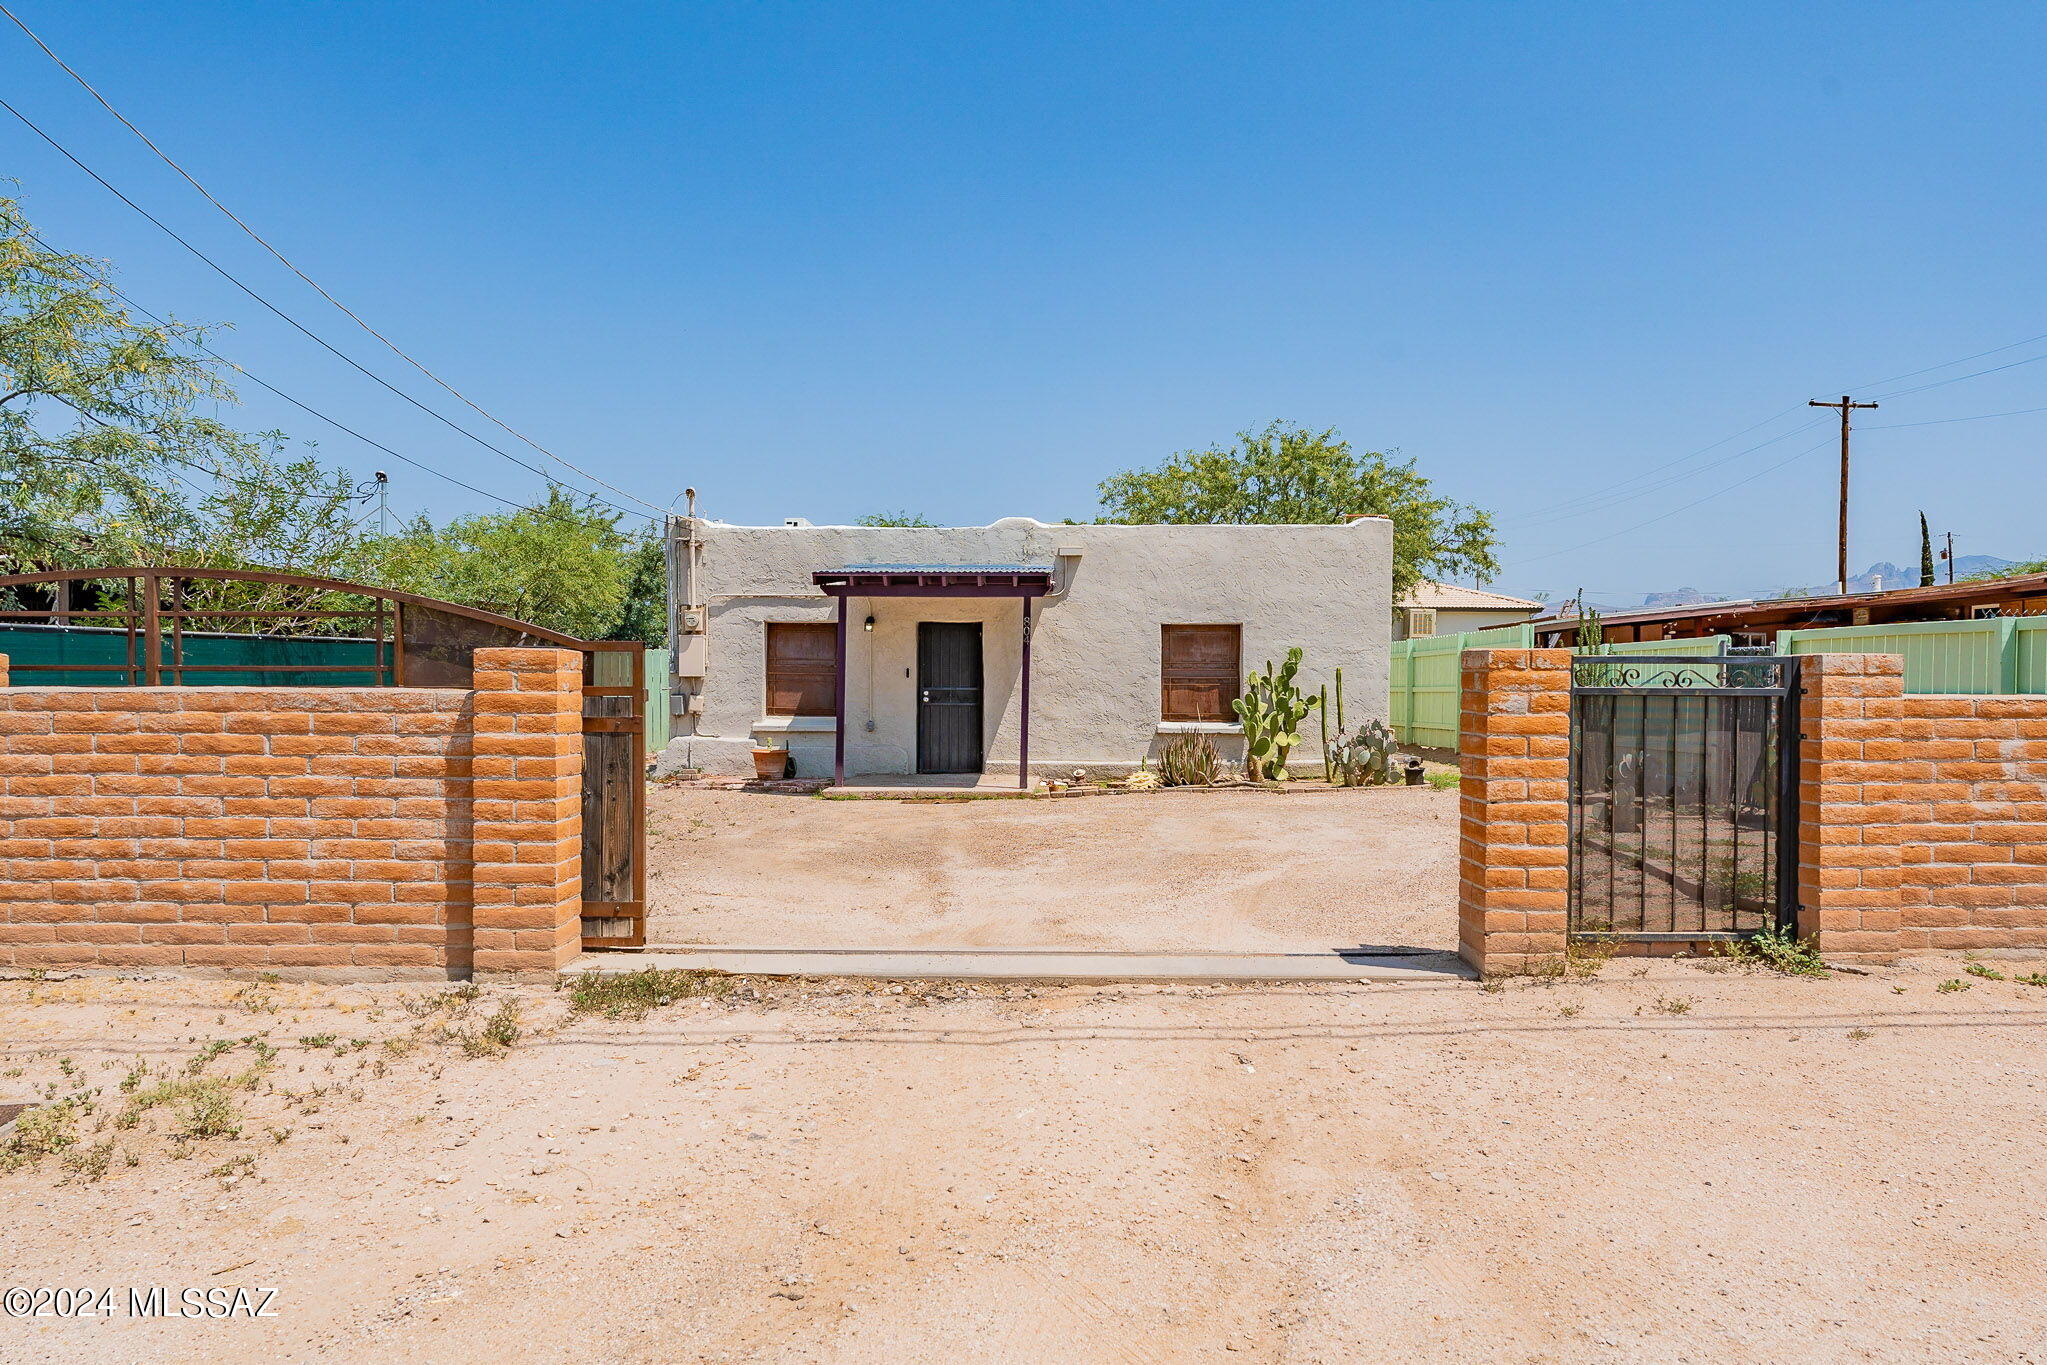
(149, 626)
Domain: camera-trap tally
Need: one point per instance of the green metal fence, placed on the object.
(2001, 654)
(657, 699)
(99, 657)
(1425, 683)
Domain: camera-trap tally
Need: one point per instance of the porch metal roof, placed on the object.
(935, 580)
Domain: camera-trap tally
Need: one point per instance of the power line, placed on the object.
(1943, 421)
(309, 280)
(293, 322)
(280, 393)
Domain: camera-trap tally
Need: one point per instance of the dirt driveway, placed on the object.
(1221, 870)
(1669, 1167)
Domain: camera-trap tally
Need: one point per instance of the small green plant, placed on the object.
(1987, 973)
(317, 1040)
(630, 995)
(1567, 1011)
(39, 1132)
(498, 1034)
(1673, 1004)
(1190, 761)
(234, 1167)
(2032, 979)
(209, 1113)
(1859, 1035)
(1952, 984)
(1777, 950)
(89, 1164)
(1443, 779)
(1589, 948)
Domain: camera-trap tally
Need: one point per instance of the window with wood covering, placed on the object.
(802, 668)
(1199, 672)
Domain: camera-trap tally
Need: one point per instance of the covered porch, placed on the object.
(948, 673)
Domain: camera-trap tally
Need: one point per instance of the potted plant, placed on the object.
(770, 761)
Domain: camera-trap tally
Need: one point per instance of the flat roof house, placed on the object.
(1015, 649)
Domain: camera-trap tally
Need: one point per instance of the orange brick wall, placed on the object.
(1514, 750)
(344, 831)
(1923, 818)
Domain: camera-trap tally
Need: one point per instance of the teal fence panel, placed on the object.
(340, 661)
(1940, 656)
(2030, 639)
(1425, 682)
(657, 699)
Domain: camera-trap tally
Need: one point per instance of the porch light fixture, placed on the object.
(868, 625)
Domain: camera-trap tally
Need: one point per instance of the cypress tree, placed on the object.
(1925, 553)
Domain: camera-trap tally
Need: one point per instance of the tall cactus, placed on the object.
(1339, 703)
(1272, 710)
(1328, 765)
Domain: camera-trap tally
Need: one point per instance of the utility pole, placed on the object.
(1949, 555)
(383, 504)
(1846, 405)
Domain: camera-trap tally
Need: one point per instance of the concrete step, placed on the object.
(1042, 964)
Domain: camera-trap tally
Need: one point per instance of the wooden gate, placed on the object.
(614, 794)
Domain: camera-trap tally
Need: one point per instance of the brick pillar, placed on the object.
(3, 670)
(1852, 802)
(527, 806)
(1515, 752)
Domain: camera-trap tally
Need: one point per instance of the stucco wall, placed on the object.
(1095, 652)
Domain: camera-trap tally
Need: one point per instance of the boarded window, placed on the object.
(1198, 672)
(802, 668)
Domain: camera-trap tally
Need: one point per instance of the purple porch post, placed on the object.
(839, 701)
(1023, 727)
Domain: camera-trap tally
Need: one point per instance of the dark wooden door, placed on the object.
(948, 696)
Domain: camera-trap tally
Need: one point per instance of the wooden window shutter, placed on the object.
(802, 668)
(1199, 672)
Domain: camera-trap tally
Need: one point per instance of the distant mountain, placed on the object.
(1677, 597)
(1881, 576)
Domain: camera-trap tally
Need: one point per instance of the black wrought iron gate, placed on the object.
(1684, 796)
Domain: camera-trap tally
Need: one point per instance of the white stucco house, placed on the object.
(1449, 609)
(1017, 649)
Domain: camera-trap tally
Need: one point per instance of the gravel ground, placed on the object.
(1210, 870)
(1666, 1165)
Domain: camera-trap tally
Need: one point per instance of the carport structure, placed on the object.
(948, 676)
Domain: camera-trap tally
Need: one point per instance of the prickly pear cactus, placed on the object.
(1365, 759)
(1272, 710)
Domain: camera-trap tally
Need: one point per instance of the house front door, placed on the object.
(948, 696)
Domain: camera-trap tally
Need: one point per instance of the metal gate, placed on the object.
(1684, 797)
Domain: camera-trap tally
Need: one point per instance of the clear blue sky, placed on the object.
(967, 259)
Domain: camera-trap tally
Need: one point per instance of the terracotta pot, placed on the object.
(770, 765)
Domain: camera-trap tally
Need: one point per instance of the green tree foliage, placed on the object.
(2031, 566)
(1925, 553)
(98, 408)
(893, 519)
(644, 615)
(1286, 473)
(563, 564)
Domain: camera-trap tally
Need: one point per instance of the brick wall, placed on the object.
(1923, 819)
(1514, 749)
(346, 831)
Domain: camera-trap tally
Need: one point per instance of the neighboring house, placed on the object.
(897, 650)
(1446, 609)
(1756, 623)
